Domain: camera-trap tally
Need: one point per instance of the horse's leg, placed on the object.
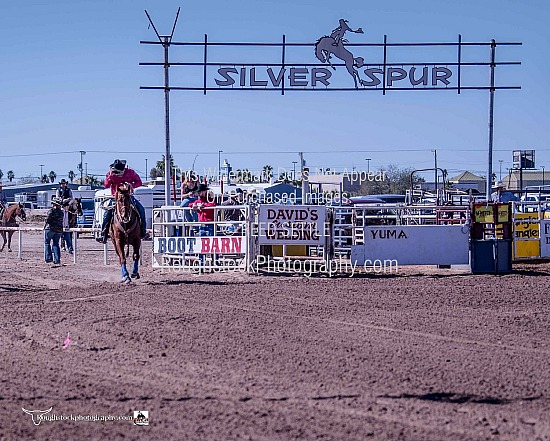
(327, 53)
(119, 247)
(3, 233)
(351, 69)
(10, 234)
(136, 246)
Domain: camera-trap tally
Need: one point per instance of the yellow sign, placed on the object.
(526, 235)
(503, 214)
(483, 214)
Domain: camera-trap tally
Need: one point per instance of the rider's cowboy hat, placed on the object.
(118, 166)
(499, 184)
(63, 181)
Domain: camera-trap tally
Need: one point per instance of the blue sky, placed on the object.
(70, 81)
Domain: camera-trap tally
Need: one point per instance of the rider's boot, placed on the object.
(102, 238)
(144, 233)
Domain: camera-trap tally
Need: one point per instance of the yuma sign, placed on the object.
(332, 63)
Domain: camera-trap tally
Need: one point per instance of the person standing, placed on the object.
(64, 192)
(53, 229)
(67, 235)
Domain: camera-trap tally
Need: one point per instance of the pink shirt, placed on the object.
(112, 180)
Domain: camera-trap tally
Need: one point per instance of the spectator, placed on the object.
(235, 199)
(53, 230)
(501, 195)
(204, 207)
(189, 194)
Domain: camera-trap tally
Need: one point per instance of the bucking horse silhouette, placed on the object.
(334, 45)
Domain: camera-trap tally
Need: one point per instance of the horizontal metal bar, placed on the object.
(334, 89)
(174, 43)
(499, 63)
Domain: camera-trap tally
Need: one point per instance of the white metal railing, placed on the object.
(219, 245)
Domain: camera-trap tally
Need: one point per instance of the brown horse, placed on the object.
(9, 220)
(125, 230)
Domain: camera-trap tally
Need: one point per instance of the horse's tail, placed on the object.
(319, 51)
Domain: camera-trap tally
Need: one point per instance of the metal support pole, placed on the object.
(20, 244)
(167, 155)
(491, 119)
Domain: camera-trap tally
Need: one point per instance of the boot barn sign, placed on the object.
(339, 60)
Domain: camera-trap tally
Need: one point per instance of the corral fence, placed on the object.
(292, 238)
(75, 232)
(287, 238)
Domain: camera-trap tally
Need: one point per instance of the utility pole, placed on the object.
(368, 165)
(41, 174)
(294, 170)
(500, 170)
(219, 166)
(80, 167)
(491, 121)
(542, 166)
(86, 173)
(146, 170)
(166, 40)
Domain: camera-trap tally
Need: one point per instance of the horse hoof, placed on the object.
(135, 276)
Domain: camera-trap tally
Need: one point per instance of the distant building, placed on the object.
(515, 180)
(466, 181)
(346, 182)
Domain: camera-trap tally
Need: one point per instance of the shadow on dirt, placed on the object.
(196, 281)
(455, 398)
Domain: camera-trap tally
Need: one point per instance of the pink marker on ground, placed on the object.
(67, 341)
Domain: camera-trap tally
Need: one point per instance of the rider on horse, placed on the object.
(338, 33)
(118, 174)
(64, 192)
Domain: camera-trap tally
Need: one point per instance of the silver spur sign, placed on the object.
(340, 60)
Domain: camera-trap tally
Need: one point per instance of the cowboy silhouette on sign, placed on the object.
(338, 33)
(327, 46)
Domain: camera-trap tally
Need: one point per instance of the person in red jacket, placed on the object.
(118, 174)
(204, 206)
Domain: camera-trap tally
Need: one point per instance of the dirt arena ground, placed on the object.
(424, 354)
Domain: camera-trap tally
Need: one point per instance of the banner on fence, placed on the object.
(545, 238)
(293, 225)
(199, 245)
(414, 245)
(526, 231)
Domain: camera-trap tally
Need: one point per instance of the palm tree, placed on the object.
(92, 180)
(71, 176)
(52, 176)
(44, 179)
(10, 175)
(267, 173)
